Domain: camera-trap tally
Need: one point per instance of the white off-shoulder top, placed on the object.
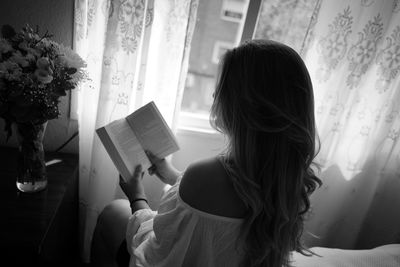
(180, 235)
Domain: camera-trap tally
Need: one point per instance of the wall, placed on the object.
(56, 16)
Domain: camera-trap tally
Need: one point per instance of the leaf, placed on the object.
(7, 31)
(71, 71)
(60, 92)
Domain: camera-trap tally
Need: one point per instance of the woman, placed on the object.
(244, 207)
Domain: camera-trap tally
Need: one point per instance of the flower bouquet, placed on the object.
(35, 72)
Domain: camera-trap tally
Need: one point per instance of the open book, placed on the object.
(127, 139)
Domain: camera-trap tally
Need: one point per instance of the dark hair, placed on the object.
(264, 103)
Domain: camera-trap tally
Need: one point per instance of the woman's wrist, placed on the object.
(137, 199)
(138, 204)
(174, 176)
(137, 191)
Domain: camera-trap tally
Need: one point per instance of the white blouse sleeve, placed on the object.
(178, 233)
(140, 225)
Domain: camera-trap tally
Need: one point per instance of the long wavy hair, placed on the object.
(264, 103)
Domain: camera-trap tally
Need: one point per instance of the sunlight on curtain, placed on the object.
(352, 51)
(354, 63)
(353, 56)
(136, 51)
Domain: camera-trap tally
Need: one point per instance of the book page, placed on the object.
(127, 145)
(152, 131)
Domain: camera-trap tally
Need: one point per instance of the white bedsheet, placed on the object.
(383, 256)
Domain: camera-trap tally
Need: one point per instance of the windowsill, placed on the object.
(191, 123)
(183, 130)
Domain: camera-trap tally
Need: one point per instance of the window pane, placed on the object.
(218, 28)
(286, 21)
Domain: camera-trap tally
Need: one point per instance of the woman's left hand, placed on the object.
(133, 188)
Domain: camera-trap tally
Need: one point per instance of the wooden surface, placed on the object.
(38, 227)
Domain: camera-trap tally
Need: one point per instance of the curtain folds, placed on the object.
(354, 61)
(352, 51)
(136, 52)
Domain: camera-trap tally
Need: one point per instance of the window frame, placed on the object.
(226, 7)
(198, 122)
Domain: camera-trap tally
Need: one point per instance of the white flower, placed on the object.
(9, 65)
(43, 63)
(17, 57)
(46, 44)
(69, 58)
(36, 37)
(43, 76)
(34, 52)
(30, 57)
(23, 45)
(10, 70)
(5, 46)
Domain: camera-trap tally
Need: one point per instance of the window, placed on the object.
(221, 25)
(233, 10)
(219, 50)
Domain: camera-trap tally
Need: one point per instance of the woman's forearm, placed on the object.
(138, 205)
(137, 198)
(174, 175)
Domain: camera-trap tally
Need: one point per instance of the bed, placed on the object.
(382, 256)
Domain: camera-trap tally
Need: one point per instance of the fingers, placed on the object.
(153, 158)
(152, 170)
(138, 172)
(138, 169)
(121, 180)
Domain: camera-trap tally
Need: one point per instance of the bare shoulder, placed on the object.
(206, 186)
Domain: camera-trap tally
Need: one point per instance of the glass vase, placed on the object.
(31, 166)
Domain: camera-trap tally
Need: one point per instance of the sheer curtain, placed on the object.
(352, 51)
(353, 57)
(136, 51)
(286, 21)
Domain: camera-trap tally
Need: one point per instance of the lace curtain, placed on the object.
(354, 61)
(136, 51)
(352, 51)
(286, 21)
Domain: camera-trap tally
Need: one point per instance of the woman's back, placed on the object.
(206, 186)
(263, 103)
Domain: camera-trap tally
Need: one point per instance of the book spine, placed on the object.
(113, 153)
